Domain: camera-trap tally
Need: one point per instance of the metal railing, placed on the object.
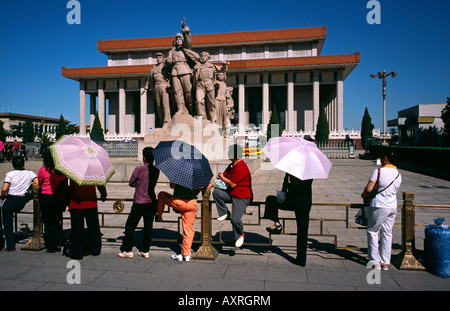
(117, 149)
(404, 260)
(336, 150)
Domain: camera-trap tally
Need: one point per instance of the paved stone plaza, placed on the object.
(252, 267)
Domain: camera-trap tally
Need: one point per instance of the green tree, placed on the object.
(96, 130)
(45, 138)
(274, 124)
(28, 131)
(16, 130)
(366, 127)
(323, 128)
(73, 129)
(3, 133)
(445, 116)
(62, 129)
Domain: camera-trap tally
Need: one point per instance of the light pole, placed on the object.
(383, 75)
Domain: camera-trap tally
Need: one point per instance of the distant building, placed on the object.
(420, 125)
(266, 68)
(41, 124)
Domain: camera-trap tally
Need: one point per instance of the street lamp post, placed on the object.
(383, 75)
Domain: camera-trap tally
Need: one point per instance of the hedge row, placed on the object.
(432, 157)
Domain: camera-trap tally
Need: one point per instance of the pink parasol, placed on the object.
(298, 157)
(82, 160)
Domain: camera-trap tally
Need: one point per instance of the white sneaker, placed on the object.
(374, 265)
(146, 255)
(126, 255)
(223, 217)
(240, 241)
(181, 257)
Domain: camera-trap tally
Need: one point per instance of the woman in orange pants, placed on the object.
(183, 200)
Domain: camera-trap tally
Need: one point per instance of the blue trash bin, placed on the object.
(437, 248)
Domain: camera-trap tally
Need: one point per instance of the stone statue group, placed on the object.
(184, 77)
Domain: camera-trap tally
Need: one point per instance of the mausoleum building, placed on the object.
(269, 68)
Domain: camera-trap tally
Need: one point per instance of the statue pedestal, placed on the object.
(204, 135)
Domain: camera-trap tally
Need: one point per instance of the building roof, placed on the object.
(332, 61)
(11, 115)
(347, 62)
(220, 39)
(108, 71)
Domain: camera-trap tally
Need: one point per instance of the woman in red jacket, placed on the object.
(239, 192)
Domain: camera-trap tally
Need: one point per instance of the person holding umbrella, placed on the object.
(184, 201)
(298, 199)
(188, 171)
(239, 192)
(83, 207)
(302, 161)
(88, 166)
(143, 179)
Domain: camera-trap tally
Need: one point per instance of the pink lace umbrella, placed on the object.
(298, 157)
(82, 160)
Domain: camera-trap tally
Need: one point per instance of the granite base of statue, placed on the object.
(204, 135)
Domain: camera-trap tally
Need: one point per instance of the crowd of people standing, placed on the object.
(233, 186)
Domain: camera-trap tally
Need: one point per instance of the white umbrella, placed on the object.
(298, 157)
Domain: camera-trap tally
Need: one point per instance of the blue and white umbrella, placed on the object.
(183, 164)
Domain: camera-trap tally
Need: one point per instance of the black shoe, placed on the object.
(300, 261)
(276, 230)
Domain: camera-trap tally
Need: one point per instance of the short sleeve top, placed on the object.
(387, 196)
(19, 181)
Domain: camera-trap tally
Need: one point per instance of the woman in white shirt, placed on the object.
(382, 211)
(13, 192)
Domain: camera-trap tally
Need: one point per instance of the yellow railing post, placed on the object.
(37, 241)
(206, 250)
(406, 259)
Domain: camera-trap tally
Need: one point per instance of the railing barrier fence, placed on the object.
(404, 261)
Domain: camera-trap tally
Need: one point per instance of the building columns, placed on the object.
(122, 103)
(143, 107)
(82, 108)
(290, 104)
(265, 104)
(241, 126)
(334, 110)
(316, 100)
(340, 101)
(101, 105)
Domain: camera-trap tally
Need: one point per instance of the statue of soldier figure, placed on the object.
(158, 81)
(223, 101)
(185, 73)
(180, 60)
(204, 78)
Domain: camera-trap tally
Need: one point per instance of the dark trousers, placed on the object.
(238, 207)
(12, 204)
(138, 211)
(302, 208)
(52, 218)
(80, 246)
(272, 208)
(302, 219)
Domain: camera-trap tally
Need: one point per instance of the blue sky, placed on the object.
(413, 39)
